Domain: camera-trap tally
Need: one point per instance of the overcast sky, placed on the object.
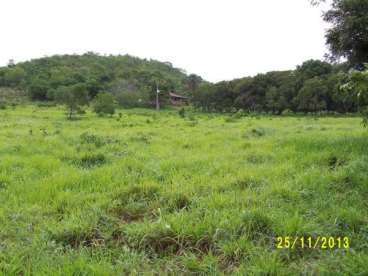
(217, 39)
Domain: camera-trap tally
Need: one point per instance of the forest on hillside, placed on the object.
(131, 80)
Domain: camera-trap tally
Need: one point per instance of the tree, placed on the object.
(313, 68)
(202, 96)
(215, 97)
(38, 89)
(104, 104)
(128, 95)
(193, 82)
(14, 76)
(251, 92)
(275, 100)
(340, 100)
(223, 96)
(358, 84)
(312, 96)
(348, 36)
(288, 91)
(74, 97)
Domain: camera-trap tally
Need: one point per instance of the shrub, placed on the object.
(88, 138)
(91, 160)
(2, 105)
(104, 104)
(181, 112)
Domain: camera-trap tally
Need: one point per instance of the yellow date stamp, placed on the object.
(319, 242)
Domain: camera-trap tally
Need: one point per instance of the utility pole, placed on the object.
(157, 99)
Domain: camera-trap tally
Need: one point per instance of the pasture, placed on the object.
(146, 192)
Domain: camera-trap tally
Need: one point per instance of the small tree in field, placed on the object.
(104, 104)
(73, 97)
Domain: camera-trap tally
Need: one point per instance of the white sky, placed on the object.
(217, 39)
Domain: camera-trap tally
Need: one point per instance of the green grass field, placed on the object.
(154, 193)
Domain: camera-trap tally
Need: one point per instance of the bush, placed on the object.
(88, 138)
(181, 112)
(104, 104)
(2, 105)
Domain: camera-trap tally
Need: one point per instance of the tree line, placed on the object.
(313, 87)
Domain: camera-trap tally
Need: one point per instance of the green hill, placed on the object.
(129, 78)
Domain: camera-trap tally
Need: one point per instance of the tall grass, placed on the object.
(149, 192)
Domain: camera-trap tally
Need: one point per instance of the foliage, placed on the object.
(313, 86)
(133, 83)
(193, 82)
(3, 104)
(348, 36)
(181, 112)
(313, 68)
(39, 89)
(74, 97)
(13, 76)
(11, 96)
(128, 95)
(341, 100)
(312, 96)
(41, 78)
(358, 85)
(275, 100)
(104, 104)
